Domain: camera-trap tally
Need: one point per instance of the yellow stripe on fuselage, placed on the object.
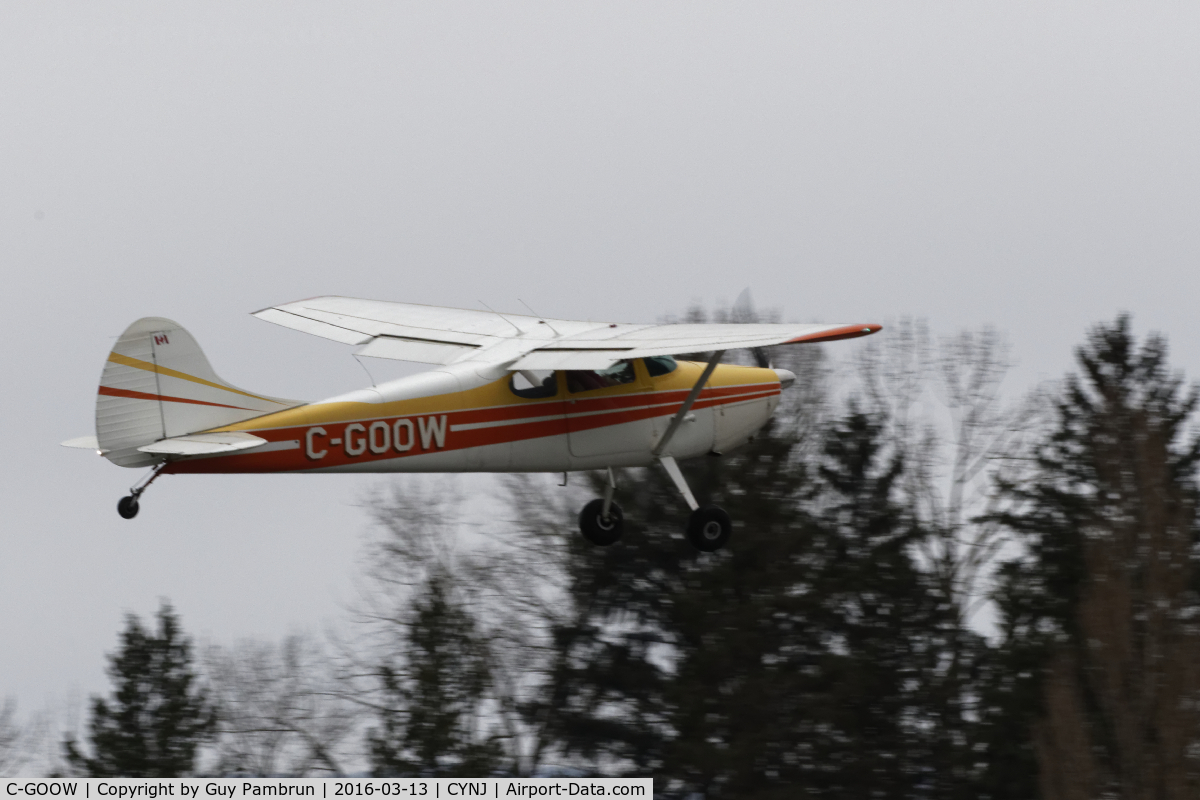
(496, 394)
(137, 363)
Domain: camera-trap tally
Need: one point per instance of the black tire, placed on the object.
(595, 528)
(709, 529)
(127, 507)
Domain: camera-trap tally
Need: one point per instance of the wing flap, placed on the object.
(423, 351)
(203, 444)
(565, 359)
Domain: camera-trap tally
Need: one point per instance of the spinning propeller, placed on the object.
(743, 312)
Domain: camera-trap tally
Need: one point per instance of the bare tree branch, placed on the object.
(280, 712)
(18, 742)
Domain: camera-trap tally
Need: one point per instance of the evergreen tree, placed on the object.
(157, 715)
(801, 659)
(1100, 652)
(430, 718)
(807, 657)
(881, 631)
(609, 699)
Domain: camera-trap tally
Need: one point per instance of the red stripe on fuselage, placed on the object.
(584, 414)
(593, 421)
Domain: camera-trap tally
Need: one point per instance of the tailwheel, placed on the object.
(598, 528)
(709, 528)
(127, 507)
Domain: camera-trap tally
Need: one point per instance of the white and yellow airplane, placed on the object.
(511, 393)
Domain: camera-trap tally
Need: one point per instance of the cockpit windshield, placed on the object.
(660, 365)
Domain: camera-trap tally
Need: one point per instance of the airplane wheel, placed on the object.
(595, 528)
(709, 528)
(127, 507)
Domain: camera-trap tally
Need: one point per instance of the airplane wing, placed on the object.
(435, 335)
(590, 351)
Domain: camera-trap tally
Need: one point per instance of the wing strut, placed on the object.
(687, 404)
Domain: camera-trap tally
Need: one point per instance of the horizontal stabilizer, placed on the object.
(203, 444)
(83, 443)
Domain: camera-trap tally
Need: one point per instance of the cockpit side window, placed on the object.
(534, 383)
(660, 365)
(584, 380)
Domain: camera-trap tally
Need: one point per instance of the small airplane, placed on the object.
(510, 393)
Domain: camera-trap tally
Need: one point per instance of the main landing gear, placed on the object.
(127, 507)
(601, 520)
(708, 528)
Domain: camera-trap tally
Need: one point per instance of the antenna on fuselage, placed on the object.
(501, 316)
(539, 316)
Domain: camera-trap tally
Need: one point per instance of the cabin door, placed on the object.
(607, 410)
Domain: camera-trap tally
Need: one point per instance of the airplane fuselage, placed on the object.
(469, 417)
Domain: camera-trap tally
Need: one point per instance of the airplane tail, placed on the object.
(158, 384)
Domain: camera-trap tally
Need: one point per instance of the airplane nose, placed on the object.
(786, 378)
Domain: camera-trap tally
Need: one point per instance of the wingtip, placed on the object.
(842, 332)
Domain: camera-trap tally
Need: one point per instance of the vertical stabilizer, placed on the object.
(157, 384)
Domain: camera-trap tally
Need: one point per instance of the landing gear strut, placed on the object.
(127, 507)
(601, 520)
(602, 523)
(708, 528)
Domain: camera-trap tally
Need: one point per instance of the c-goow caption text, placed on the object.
(334, 788)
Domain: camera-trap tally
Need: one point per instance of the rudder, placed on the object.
(157, 384)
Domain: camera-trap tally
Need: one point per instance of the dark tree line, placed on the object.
(832, 650)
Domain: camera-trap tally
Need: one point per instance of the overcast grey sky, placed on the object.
(1033, 166)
